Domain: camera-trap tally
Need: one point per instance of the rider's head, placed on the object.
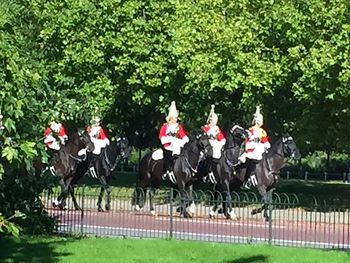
(258, 118)
(173, 114)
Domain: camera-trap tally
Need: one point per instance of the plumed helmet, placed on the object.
(96, 120)
(173, 112)
(213, 117)
(258, 118)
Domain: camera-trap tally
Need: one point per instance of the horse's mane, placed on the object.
(189, 145)
(274, 147)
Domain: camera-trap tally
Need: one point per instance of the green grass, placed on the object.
(61, 249)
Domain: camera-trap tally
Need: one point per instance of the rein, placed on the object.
(229, 163)
(77, 158)
(199, 159)
(108, 163)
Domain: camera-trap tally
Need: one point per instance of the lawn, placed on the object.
(69, 249)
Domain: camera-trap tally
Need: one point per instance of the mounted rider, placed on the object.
(55, 137)
(255, 146)
(216, 137)
(173, 137)
(99, 138)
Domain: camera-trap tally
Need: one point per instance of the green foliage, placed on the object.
(127, 60)
(8, 227)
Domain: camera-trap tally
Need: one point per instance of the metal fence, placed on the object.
(285, 174)
(297, 221)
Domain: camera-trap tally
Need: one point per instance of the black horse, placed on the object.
(267, 171)
(105, 164)
(66, 163)
(185, 172)
(224, 170)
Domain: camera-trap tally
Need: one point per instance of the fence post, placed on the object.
(82, 211)
(269, 193)
(287, 175)
(171, 213)
(325, 176)
(306, 173)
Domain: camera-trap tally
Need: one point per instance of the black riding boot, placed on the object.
(92, 170)
(208, 170)
(167, 164)
(250, 178)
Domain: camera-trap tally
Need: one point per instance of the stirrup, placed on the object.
(93, 172)
(166, 175)
(247, 184)
(52, 170)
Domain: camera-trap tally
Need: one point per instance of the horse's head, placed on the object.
(239, 134)
(204, 144)
(290, 148)
(84, 141)
(123, 147)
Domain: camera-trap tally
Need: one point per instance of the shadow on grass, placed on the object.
(251, 259)
(31, 250)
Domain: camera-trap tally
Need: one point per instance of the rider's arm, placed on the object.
(182, 134)
(163, 137)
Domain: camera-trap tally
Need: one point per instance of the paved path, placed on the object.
(302, 232)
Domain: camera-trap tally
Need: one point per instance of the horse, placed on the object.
(185, 167)
(105, 163)
(267, 171)
(224, 170)
(66, 163)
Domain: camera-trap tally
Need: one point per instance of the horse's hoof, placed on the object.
(254, 212)
(212, 214)
(108, 207)
(55, 203)
(78, 208)
(100, 209)
(153, 213)
(61, 207)
(192, 209)
(137, 208)
(187, 215)
(231, 215)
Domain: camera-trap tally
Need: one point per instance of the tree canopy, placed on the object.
(127, 60)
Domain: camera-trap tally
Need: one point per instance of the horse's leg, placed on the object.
(56, 202)
(139, 198)
(227, 202)
(183, 199)
(76, 205)
(108, 192)
(263, 193)
(65, 193)
(192, 205)
(100, 196)
(151, 193)
(213, 211)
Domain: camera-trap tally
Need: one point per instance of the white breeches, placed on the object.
(257, 153)
(176, 145)
(99, 144)
(217, 146)
(54, 145)
(82, 152)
